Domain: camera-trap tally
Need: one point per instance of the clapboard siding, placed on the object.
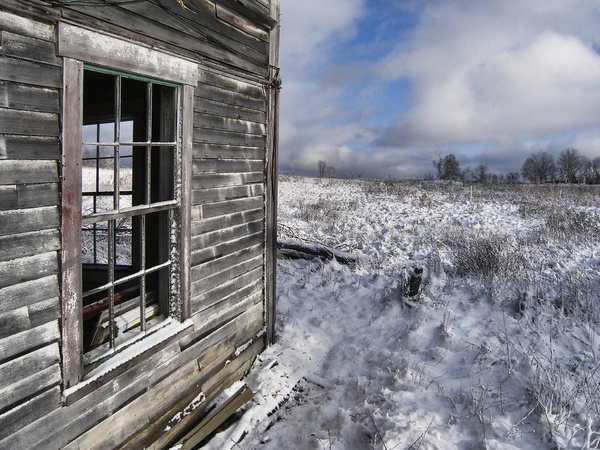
(245, 98)
(220, 165)
(214, 107)
(26, 27)
(229, 220)
(217, 150)
(28, 244)
(225, 123)
(29, 123)
(29, 147)
(22, 196)
(28, 48)
(28, 172)
(27, 72)
(30, 98)
(200, 197)
(30, 219)
(24, 269)
(29, 293)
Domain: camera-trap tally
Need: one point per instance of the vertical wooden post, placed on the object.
(271, 175)
(72, 331)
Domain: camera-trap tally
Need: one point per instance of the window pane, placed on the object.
(163, 113)
(134, 112)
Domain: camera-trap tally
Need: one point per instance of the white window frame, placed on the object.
(78, 46)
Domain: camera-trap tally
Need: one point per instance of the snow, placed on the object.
(498, 351)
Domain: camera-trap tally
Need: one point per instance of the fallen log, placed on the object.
(303, 250)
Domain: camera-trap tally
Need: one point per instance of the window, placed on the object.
(126, 211)
(130, 206)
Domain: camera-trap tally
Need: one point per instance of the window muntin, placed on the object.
(130, 202)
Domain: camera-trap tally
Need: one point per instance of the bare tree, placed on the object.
(330, 171)
(322, 165)
(512, 177)
(539, 168)
(481, 174)
(595, 170)
(569, 165)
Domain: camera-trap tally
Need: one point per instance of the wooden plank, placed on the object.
(26, 413)
(29, 268)
(28, 364)
(228, 137)
(30, 98)
(244, 98)
(216, 418)
(203, 196)
(229, 220)
(31, 219)
(29, 123)
(218, 265)
(28, 171)
(97, 48)
(240, 23)
(30, 386)
(204, 296)
(28, 72)
(29, 147)
(251, 10)
(28, 293)
(210, 180)
(12, 322)
(26, 27)
(37, 195)
(8, 197)
(225, 235)
(202, 254)
(227, 165)
(16, 246)
(218, 108)
(216, 150)
(44, 311)
(223, 123)
(232, 272)
(226, 82)
(28, 48)
(29, 340)
(186, 200)
(71, 284)
(231, 206)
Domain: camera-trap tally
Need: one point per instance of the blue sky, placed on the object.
(382, 88)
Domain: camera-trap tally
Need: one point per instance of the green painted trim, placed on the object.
(129, 75)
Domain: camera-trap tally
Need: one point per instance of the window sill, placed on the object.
(127, 356)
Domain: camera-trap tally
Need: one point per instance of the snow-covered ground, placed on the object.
(499, 350)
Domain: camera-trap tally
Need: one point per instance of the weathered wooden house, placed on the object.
(138, 147)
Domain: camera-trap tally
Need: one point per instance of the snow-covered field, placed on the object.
(500, 349)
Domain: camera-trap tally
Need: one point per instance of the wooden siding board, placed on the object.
(229, 220)
(37, 195)
(209, 165)
(29, 147)
(216, 180)
(25, 414)
(219, 108)
(13, 322)
(28, 268)
(231, 206)
(240, 97)
(28, 171)
(206, 254)
(28, 48)
(30, 98)
(29, 386)
(228, 137)
(205, 270)
(223, 123)
(27, 72)
(215, 150)
(16, 246)
(8, 197)
(29, 340)
(29, 293)
(205, 296)
(200, 197)
(242, 24)
(44, 311)
(225, 82)
(223, 236)
(26, 27)
(30, 123)
(30, 219)
(28, 364)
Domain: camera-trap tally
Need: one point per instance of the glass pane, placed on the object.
(106, 175)
(134, 111)
(125, 173)
(163, 113)
(126, 131)
(98, 99)
(88, 175)
(94, 243)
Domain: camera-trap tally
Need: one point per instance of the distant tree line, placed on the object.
(540, 167)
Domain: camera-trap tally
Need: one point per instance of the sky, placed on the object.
(381, 89)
